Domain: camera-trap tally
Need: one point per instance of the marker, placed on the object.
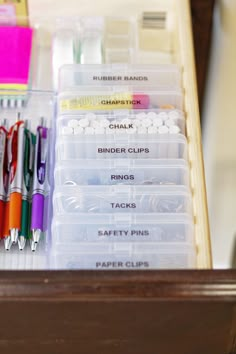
(40, 184)
(29, 144)
(15, 160)
(104, 102)
(3, 176)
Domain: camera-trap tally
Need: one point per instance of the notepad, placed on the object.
(15, 53)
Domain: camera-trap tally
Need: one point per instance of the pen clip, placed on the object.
(42, 153)
(3, 159)
(12, 149)
(30, 138)
(28, 158)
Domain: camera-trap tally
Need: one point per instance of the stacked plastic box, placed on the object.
(122, 197)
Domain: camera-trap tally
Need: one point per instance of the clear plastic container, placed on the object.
(149, 122)
(160, 257)
(96, 229)
(36, 110)
(162, 146)
(122, 171)
(74, 76)
(73, 200)
(119, 97)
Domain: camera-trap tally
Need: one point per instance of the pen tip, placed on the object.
(21, 243)
(33, 246)
(36, 235)
(7, 243)
(14, 235)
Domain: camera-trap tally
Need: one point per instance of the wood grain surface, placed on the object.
(187, 312)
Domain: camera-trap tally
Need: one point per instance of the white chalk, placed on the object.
(169, 122)
(151, 115)
(157, 122)
(174, 114)
(163, 129)
(95, 124)
(152, 130)
(84, 122)
(78, 130)
(90, 116)
(89, 131)
(73, 123)
(104, 123)
(67, 130)
(163, 115)
(147, 122)
(174, 129)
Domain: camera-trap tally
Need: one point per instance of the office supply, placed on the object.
(63, 51)
(124, 146)
(7, 15)
(103, 98)
(40, 183)
(15, 55)
(107, 102)
(91, 46)
(128, 122)
(122, 199)
(161, 76)
(20, 9)
(3, 175)
(28, 169)
(122, 171)
(15, 160)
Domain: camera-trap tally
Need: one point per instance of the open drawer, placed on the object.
(157, 33)
(185, 312)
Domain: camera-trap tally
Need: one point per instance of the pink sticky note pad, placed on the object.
(15, 52)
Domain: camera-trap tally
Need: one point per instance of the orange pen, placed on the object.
(15, 160)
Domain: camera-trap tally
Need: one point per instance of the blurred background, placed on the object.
(219, 134)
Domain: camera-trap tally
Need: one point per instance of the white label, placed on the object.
(122, 265)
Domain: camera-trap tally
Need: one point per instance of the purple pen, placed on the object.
(40, 185)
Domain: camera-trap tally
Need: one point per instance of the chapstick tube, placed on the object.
(106, 102)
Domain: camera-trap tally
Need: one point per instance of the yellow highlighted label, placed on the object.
(100, 102)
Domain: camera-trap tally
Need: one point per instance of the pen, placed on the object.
(28, 168)
(15, 160)
(40, 184)
(5, 187)
(3, 176)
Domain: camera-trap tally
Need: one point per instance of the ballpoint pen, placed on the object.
(3, 175)
(28, 168)
(40, 184)
(15, 160)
